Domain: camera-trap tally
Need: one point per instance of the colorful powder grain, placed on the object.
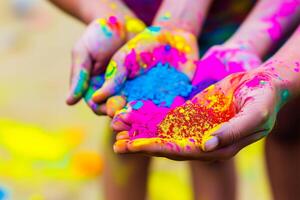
(161, 85)
(194, 119)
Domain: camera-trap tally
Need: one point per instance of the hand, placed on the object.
(223, 60)
(256, 98)
(114, 103)
(153, 45)
(93, 51)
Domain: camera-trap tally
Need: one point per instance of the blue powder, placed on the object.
(161, 85)
(137, 105)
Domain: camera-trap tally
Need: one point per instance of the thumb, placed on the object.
(251, 119)
(115, 76)
(115, 104)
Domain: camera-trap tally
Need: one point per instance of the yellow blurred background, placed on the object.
(49, 151)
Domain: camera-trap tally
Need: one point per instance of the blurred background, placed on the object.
(49, 151)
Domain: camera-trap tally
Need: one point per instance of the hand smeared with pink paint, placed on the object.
(154, 45)
(223, 60)
(255, 98)
(214, 67)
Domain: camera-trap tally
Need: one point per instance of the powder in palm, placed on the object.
(146, 116)
(161, 84)
(196, 118)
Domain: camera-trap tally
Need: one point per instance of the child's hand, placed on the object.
(153, 45)
(256, 98)
(90, 56)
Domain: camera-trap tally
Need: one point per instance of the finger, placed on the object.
(115, 104)
(99, 109)
(251, 118)
(120, 146)
(118, 125)
(96, 108)
(80, 72)
(192, 53)
(123, 135)
(148, 145)
(165, 147)
(115, 76)
(129, 115)
(172, 149)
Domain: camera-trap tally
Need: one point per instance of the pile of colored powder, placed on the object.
(147, 116)
(196, 118)
(161, 84)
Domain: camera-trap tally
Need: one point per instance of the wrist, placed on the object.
(172, 25)
(283, 87)
(187, 15)
(89, 11)
(241, 45)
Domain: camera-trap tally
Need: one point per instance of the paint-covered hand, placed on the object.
(91, 54)
(115, 103)
(187, 132)
(154, 45)
(222, 60)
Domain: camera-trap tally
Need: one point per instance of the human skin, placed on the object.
(243, 46)
(179, 33)
(119, 169)
(218, 172)
(87, 12)
(111, 24)
(247, 47)
(279, 82)
(258, 95)
(282, 148)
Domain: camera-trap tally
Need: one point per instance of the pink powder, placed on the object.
(286, 9)
(162, 54)
(147, 118)
(211, 68)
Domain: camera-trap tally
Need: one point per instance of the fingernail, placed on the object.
(122, 135)
(211, 144)
(70, 99)
(97, 96)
